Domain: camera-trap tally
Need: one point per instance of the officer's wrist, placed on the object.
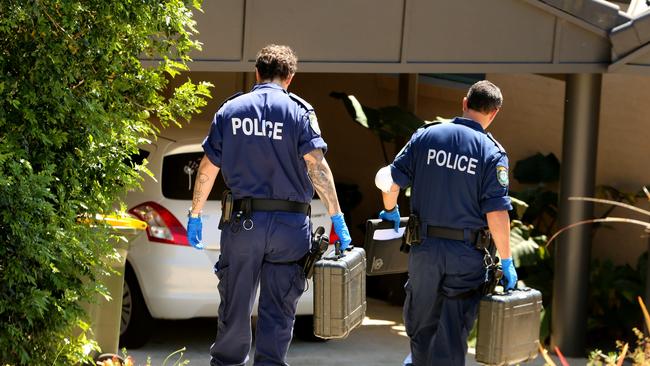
(192, 214)
(391, 210)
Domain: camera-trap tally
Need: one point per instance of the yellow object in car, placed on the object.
(122, 222)
(116, 221)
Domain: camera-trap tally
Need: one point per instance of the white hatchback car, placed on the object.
(165, 277)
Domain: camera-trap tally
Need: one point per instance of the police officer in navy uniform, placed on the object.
(267, 145)
(459, 179)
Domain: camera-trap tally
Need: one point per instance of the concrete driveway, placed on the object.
(381, 340)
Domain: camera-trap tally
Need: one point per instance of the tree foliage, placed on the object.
(75, 102)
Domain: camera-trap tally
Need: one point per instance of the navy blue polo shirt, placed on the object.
(258, 139)
(458, 173)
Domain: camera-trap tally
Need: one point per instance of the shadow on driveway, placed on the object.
(381, 340)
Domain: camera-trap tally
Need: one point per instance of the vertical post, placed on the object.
(573, 248)
(245, 81)
(407, 99)
(249, 81)
(407, 96)
(408, 92)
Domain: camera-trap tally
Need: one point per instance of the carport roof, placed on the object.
(423, 36)
(629, 32)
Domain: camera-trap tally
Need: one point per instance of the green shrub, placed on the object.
(75, 102)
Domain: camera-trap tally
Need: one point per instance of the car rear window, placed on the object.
(179, 173)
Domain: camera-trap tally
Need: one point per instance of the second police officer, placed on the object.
(268, 147)
(459, 179)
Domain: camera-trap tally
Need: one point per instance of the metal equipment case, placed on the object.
(339, 293)
(508, 327)
(382, 244)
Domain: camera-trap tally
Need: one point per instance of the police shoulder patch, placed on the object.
(313, 122)
(502, 175)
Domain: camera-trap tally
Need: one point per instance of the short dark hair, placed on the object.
(484, 97)
(276, 61)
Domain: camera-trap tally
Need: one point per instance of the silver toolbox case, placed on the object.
(339, 293)
(508, 327)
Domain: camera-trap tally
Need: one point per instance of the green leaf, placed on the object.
(537, 169)
(389, 123)
(520, 206)
(523, 248)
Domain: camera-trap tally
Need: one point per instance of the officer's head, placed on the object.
(483, 102)
(276, 63)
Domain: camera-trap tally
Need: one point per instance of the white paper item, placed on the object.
(388, 234)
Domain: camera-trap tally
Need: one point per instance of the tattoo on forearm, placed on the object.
(323, 182)
(201, 180)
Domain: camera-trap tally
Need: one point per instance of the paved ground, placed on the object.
(381, 340)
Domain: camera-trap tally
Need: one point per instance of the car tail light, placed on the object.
(162, 225)
(333, 237)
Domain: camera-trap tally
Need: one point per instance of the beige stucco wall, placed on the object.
(531, 121)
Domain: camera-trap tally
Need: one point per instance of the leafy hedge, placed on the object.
(75, 102)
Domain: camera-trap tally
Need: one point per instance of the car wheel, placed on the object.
(303, 328)
(136, 324)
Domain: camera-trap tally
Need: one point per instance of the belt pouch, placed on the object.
(227, 203)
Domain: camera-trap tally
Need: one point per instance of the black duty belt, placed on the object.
(260, 204)
(451, 234)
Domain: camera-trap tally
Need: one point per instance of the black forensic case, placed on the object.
(382, 246)
(508, 327)
(339, 293)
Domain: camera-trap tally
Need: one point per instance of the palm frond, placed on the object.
(593, 221)
(610, 202)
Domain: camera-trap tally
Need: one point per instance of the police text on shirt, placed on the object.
(253, 127)
(445, 159)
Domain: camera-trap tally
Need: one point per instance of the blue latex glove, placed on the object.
(392, 215)
(509, 274)
(195, 232)
(341, 229)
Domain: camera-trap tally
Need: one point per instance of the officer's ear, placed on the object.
(464, 104)
(493, 114)
(257, 76)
